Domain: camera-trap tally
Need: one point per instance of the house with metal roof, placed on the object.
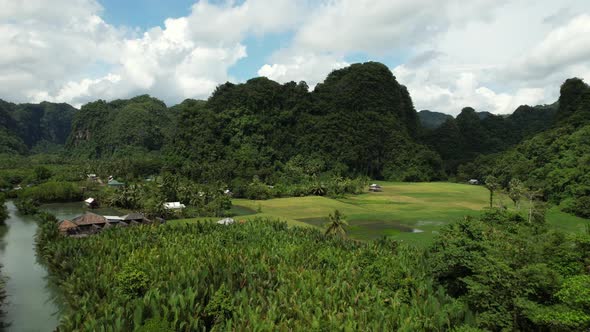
(174, 206)
(91, 223)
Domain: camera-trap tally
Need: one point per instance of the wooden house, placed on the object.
(92, 223)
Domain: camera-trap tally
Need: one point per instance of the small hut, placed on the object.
(375, 188)
(174, 206)
(226, 221)
(89, 221)
(67, 227)
(116, 184)
(91, 203)
(473, 181)
(135, 218)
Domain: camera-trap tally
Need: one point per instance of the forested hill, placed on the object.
(34, 127)
(556, 161)
(359, 121)
(102, 129)
(432, 120)
(471, 134)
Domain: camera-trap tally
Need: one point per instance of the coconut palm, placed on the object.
(491, 182)
(336, 224)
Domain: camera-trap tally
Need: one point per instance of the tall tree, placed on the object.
(515, 191)
(491, 183)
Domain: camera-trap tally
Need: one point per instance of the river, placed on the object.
(31, 301)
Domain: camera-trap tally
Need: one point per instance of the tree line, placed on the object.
(359, 123)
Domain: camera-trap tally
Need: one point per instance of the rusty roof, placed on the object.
(89, 218)
(65, 225)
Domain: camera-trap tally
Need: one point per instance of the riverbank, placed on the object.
(31, 302)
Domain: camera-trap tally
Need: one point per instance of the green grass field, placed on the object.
(412, 212)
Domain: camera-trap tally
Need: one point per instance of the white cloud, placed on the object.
(39, 51)
(383, 26)
(456, 53)
(488, 54)
(311, 68)
(230, 23)
(52, 49)
(562, 47)
(452, 89)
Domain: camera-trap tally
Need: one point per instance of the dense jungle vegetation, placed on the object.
(555, 162)
(499, 272)
(360, 122)
(261, 139)
(34, 128)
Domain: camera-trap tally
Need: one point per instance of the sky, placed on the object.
(492, 55)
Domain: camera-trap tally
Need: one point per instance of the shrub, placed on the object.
(132, 282)
(579, 206)
(52, 191)
(26, 206)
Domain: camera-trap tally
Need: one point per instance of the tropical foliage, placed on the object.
(555, 162)
(498, 272)
(34, 127)
(514, 274)
(471, 134)
(260, 275)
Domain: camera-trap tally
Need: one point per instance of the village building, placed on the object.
(92, 177)
(135, 218)
(92, 223)
(65, 227)
(174, 206)
(375, 188)
(114, 183)
(226, 221)
(91, 203)
(473, 181)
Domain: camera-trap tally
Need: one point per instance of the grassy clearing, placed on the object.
(412, 212)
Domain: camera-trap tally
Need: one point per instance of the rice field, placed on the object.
(411, 212)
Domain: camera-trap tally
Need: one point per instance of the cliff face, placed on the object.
(101, 128)
(27, 126)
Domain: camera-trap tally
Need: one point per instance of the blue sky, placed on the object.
(490, 55)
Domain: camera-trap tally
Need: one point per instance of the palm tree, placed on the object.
(336, 224)
(491, 182)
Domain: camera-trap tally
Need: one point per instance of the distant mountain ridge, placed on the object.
(34, 127)
(462, 139)
(359, 119)
(432, 120)
(556, 161)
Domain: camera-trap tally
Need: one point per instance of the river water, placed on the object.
(31, 300)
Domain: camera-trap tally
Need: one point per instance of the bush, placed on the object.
(579, 206)
(50, 192)
(132, 282)
(257, 190)
(155, 325)
(27, 206)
